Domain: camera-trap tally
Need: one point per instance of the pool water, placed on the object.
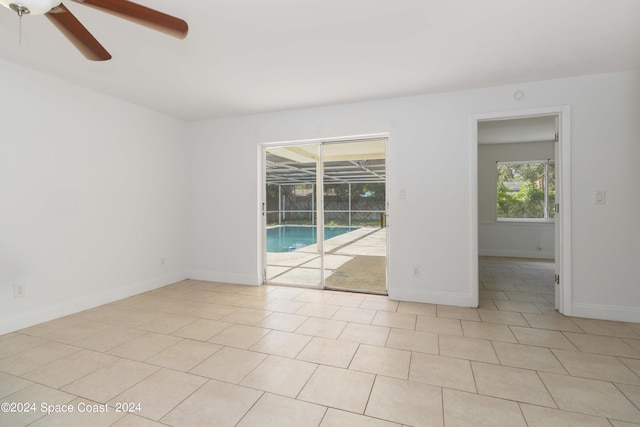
(287, 238)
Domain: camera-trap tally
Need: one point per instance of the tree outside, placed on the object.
(521, 190)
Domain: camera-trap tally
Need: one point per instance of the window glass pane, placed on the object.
(521, 190)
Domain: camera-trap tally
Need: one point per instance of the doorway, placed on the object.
(325, 210)
(529, 151)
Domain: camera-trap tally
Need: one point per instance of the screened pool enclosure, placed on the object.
(345, 204)
(333, 194)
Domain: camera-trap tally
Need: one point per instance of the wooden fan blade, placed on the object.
(141, 15)
(77, 34)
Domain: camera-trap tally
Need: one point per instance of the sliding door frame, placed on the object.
(262, 218)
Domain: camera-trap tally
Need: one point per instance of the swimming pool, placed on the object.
(286, 238)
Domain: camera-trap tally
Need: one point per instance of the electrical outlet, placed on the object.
(599, 197)
(415, 271)
(18, 291)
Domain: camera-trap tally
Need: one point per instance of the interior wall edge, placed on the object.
(224, 277)
(431, 297)
(508, 253)
(606, 312)
(46, 313)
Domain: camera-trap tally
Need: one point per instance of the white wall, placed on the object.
(515, 239)
(93, 193)
(430, 157)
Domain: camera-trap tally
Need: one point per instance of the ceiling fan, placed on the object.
(80, 37)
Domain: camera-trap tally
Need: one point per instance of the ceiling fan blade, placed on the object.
(141, 15)
(77, 34)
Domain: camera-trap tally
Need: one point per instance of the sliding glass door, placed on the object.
(325, 215)
(293, 250)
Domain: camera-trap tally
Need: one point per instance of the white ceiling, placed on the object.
(251, 56)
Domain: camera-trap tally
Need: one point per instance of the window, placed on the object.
(526, 190)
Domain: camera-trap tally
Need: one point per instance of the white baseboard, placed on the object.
(224, 277)
(606, 312)
(515, 254)
(44, 314)
(430, 297)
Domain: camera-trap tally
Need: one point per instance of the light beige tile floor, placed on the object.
(215, 354)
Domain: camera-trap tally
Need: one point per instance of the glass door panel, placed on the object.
(293, 251)
(354, 181)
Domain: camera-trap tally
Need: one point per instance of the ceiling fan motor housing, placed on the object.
(33, 7)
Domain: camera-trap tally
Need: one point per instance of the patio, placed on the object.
(354, 261)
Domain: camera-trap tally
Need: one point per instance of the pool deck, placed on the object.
(355, 260)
